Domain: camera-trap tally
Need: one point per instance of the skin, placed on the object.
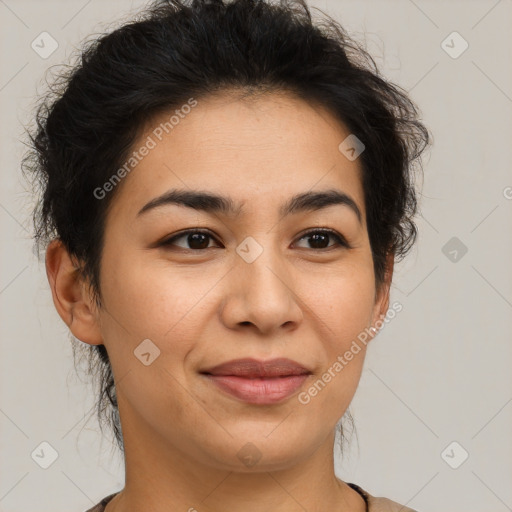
(296, 300)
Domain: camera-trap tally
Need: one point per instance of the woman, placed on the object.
(226, 364)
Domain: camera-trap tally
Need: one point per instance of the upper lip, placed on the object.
(251, 368)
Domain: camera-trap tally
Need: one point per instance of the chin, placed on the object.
(260, 450)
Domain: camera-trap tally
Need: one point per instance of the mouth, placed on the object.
(258, 382)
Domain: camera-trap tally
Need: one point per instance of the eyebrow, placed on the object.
(213, 203)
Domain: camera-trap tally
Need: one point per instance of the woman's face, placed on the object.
(263, 281)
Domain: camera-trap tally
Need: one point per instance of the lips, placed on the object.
(258, 382)
(252, 368)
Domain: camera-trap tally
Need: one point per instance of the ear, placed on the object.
(70, 296)
(382, 295)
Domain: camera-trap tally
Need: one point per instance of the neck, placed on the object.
(164, 478)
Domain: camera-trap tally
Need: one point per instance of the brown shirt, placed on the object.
(373, 504)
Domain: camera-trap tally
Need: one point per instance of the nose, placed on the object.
(261, 295)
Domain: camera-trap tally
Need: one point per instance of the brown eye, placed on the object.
(319, 239)
(196, 240)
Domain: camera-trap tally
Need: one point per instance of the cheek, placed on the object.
(151, 298)
(149, 302)
(344, 301)
(343, 308)
(144, 302)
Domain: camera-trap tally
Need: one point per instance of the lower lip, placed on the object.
(259, 390)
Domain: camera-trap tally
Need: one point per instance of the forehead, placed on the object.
(255, 150)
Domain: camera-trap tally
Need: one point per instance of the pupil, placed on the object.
(194, 238)
(315, 238)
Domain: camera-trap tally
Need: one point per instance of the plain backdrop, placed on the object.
(436, 387)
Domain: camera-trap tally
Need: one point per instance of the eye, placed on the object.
(319, 237)
(197, 239)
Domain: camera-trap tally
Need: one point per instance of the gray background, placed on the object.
(438, 373)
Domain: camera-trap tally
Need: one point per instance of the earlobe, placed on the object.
(70, 297)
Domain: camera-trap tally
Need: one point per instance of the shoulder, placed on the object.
(380, 504)
(100, 507)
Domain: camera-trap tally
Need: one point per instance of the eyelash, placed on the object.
(340, 239)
